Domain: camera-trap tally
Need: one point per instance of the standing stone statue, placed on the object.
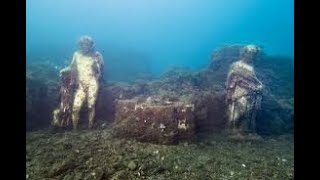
(244, 92)
(80, 83)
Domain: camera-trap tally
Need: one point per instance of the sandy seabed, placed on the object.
(95, 154)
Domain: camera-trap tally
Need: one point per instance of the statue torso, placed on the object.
(243, 74)
(85, 70)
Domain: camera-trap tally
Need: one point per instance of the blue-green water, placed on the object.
(151, 36)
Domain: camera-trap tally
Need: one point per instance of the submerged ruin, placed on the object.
(204, 90)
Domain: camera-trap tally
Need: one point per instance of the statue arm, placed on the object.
(258, 84)
(73, 61)
(230, 84)
(231, 80)
(232, 76)
(72, 65)
(100, 64)
(251, 82)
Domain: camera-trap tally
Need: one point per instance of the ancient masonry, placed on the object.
(167, 123)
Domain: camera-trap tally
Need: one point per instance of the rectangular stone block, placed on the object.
(163, 124)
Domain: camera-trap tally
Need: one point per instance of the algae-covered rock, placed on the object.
(132, 165)
(42, 94)
(209, 111)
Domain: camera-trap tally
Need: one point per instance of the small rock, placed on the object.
(284, 160)
(159, 170)
(149, 100)
(67, 146)
(162, 158)
(132, 165)
(162, 126)
(27, 176)
(231, 173)
(93, 174)
(77, 151)
(117, 175)
(243, 165)
(213, 143)
(273, 140)
(167, 102)
(143, 167)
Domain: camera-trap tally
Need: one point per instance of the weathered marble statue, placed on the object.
(244, 92)
(80, 83)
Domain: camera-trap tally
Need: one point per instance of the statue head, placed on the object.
(250, 52)
(86, 44)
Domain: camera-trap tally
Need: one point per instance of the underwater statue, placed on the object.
(244, 93)
(80, 83)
